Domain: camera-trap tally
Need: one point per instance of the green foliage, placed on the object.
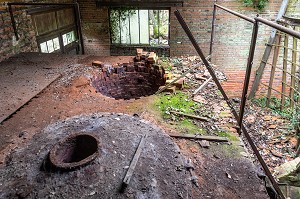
(258, 4)
(117, 17)
(291, 114)
(177, 102)
(229, 135)
(187, 126)
(181, 103)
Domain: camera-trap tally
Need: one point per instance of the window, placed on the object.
(139, 26)
(53, 45)
(50, 45)
(68, 38)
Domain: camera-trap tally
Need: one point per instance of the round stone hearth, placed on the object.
(115, 137)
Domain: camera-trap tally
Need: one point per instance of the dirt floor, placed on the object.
(222, 170)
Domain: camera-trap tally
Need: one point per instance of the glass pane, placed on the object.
(65, 41)
(144, 28)
(125, 36)
(134, 27)
(44, 47)
(56, 43)
(50, 46)
(115, 26)
(163, 26)
(154, 27)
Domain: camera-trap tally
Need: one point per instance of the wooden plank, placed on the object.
(293, 71)
(274, 63)
(202, 86)
(184, 74)
(267, 52)
(285, 55)
(200, 137)
(133, 163)
(191, 116)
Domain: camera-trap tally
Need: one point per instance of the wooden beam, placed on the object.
(200, 137)
(133, 163)
(184, 74)
(191, 116)
(267, 52)
(293, 71)
(274, 63)
(283, 85)
(202, 86)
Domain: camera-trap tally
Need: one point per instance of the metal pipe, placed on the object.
(13, 22)
(279, 27)
(236, 14)
(248, 74)
(211, 71)
(78, 21)
(37, 4)
(213, 29)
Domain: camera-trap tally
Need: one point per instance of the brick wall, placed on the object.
(8, 43)
(95, 28)
(232, 38)
(27, 39)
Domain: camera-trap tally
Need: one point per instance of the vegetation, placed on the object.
(289, 113)
(178, 102)
(258, 4)
(229, 135)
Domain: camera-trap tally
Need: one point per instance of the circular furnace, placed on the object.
(129, 80)
(74, 151)
(158, 172)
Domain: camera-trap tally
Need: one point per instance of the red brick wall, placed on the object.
(95, 28)
(232, 38)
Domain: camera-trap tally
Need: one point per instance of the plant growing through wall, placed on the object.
(258, 4)
(117, 17)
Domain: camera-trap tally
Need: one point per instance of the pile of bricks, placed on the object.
(141, 77)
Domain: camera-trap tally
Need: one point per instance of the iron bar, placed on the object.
(236, 14)
(78, 23)
(13, 22)
(211, 71)
(213, 29)
(279, 27)
(248, 74)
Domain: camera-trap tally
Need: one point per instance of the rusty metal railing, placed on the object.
(239, 117)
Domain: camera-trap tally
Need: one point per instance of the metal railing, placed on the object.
(239, 117)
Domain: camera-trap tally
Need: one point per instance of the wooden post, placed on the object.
(274, 63)
(285, 54)
(293, 71)
(267, 52)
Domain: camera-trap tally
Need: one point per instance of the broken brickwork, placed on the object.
(129, 80)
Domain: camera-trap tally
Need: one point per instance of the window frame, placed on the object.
(149, 39)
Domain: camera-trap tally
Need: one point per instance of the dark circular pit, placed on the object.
(74, 151)
(130, 82)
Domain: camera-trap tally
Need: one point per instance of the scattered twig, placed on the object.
(202, 86)
(200, 137)
(191, 116)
